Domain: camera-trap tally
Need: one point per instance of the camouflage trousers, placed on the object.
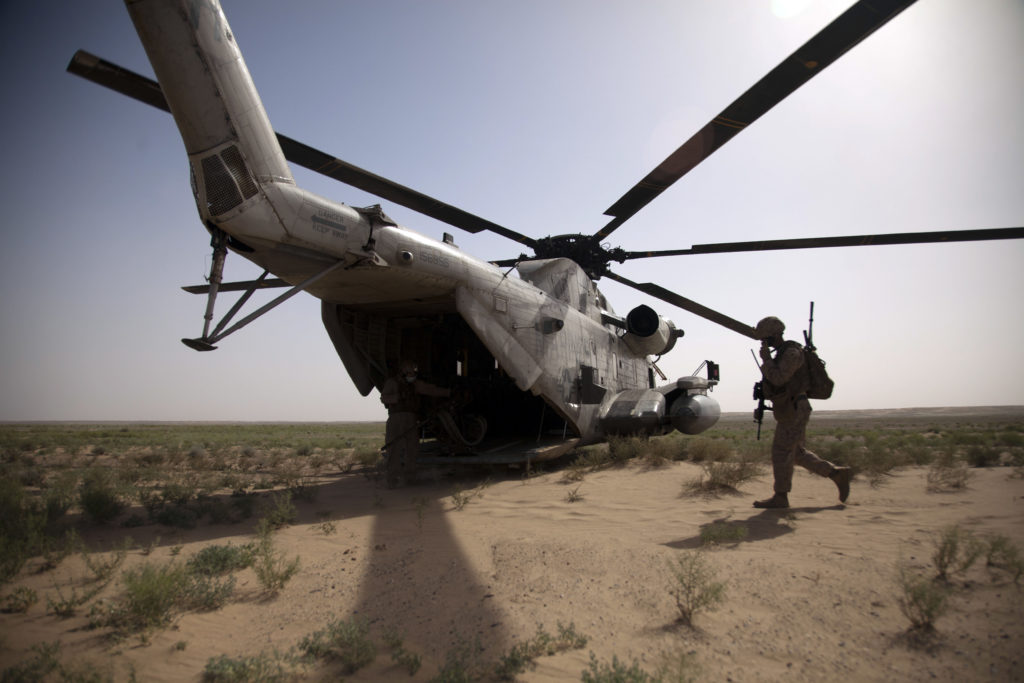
(788, 445)
(403, 439)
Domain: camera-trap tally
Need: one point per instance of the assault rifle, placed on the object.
(759, 410)
(759, 397)
(809, 332)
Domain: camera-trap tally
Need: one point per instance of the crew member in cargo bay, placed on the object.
(401, 394)
(785, 385)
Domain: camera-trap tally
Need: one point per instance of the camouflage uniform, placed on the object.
(785, 384)
(401, 395)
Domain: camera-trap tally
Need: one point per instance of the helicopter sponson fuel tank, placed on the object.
(684, 406)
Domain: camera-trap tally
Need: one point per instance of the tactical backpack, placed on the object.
(819, 384)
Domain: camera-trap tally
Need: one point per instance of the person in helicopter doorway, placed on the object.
(401, 394)
(785, 384)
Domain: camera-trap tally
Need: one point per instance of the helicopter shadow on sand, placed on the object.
(418, 580)
(411, 558)
(404, 563)
(763, 525)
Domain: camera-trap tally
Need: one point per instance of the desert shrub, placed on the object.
(615, 672)
(22, 528)
(693, 586)
(462, 664)
(624, 448)
(176, 516)
(962, 437)
(983, 456)
(66, 606)
(522, 655)
(19, 600)
(44, 661)
(272, 570)
(288, 474)
(870, 455)
(721, 476)
(367, 456)
(217, 511)
(151, 594)
(679, 667)
(205, 593)
(876, 463)
(699, 449)
(573, 496)
(921, 600)
(1003, 554)
(55, 550)
(99, 497)
(103, 566)
(662, 450)
(718, 533)
(178, 492)
(410, 661)
(59, 495)
(461, 497)
(216, 560)
(574, 472)
(281, 511)
(917, 454)
(591, 459)
(263, 668)
(346, 643)
(32, 476)
(947, 474)
(1011, 439)
(154, 593)
(955, 551)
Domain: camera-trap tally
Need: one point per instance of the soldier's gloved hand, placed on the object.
(766, 352)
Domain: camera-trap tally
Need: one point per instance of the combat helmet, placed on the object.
(769, 327)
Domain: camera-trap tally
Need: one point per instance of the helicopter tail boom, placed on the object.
(208, 88)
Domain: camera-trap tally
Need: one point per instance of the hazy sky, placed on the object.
(537, 115)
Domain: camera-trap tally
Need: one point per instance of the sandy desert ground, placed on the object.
(811, 592)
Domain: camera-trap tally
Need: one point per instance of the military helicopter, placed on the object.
(540, 362)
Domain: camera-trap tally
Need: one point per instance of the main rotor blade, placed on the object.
(850, 28)
(844, 241)
(682, 302)
(332, 167)
(146, 90)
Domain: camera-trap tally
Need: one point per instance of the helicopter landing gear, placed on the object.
(220, 252)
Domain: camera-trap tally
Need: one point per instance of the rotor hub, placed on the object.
(586, 250)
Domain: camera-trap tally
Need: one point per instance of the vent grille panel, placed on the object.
(221, 192)
(233, 158)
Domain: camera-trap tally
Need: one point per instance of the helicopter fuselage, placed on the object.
(528, 356)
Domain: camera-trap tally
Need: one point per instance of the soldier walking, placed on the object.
(786, 382)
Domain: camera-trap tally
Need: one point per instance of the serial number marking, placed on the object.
(323, 224)
(432, 256)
